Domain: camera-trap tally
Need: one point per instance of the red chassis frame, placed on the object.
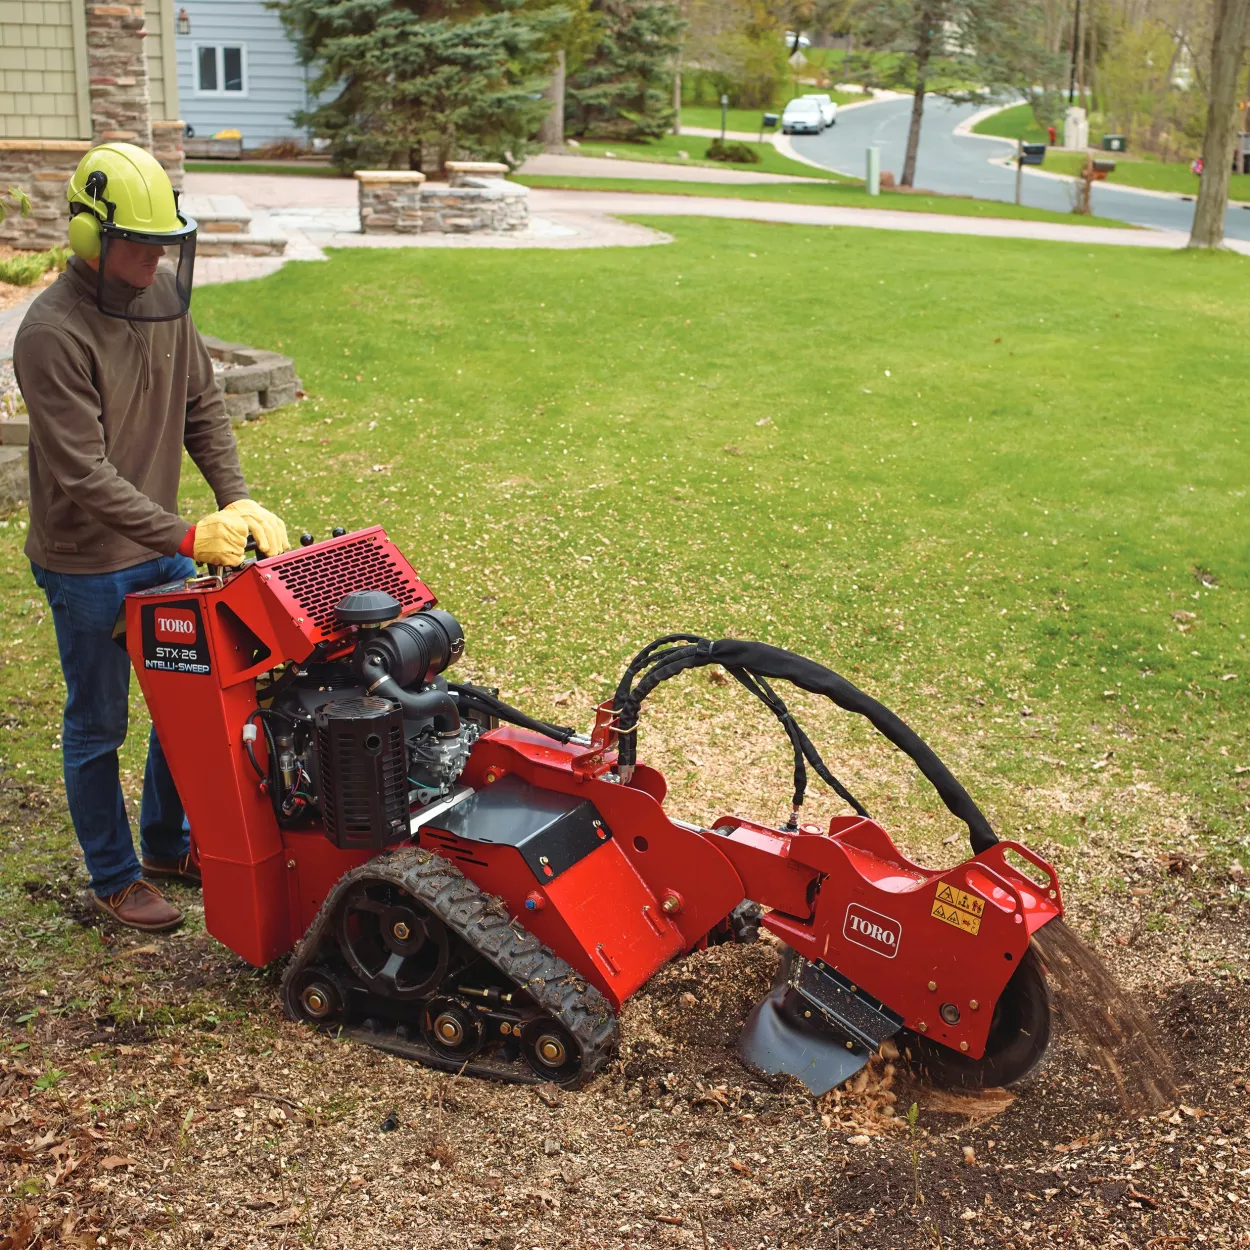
(912, 937)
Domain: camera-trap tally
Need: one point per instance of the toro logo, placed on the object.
(175, 625)
(872, 930)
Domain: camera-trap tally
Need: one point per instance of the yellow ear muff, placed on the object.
(84, 235)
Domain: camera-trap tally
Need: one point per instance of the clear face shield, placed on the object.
(145, 277)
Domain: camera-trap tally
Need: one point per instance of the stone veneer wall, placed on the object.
(390, 201)
(41, 167)
(120, 110)
(474, 199)
(118, 70)
(167, 148)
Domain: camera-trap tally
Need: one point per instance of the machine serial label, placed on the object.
(173, 638)
(870, 929)
(958, 908)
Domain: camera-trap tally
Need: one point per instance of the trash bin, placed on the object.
(1114, 143)
(1032, 153)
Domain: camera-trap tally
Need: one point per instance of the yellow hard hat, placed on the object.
(120, 191)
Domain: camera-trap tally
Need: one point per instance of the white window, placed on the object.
(220, 69)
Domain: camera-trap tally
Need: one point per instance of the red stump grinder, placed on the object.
(480, 891)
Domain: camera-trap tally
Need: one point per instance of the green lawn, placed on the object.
(1016, 122)
(668, 149)
(1000, 484)
(1151, 175)
(260, 167)
(849, 195)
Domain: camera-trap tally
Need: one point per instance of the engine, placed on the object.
(361, 738)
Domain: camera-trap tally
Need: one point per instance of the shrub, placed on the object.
(737, 153)
(27, 268)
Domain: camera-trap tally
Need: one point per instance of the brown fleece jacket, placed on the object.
(112, 403)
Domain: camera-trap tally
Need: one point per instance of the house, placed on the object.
(74, 73)
(237, 70)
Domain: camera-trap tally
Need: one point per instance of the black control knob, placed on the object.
(305, 540)
(338, 531)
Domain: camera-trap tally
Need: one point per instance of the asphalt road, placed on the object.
(961, 165)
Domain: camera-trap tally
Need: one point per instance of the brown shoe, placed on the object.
(183, 869)
(141, 906)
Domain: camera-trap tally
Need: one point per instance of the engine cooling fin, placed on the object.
(482, 971)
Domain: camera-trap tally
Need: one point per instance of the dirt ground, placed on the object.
(199, 1117)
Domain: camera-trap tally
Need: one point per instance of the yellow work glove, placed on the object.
(220, 538)
(267, 529)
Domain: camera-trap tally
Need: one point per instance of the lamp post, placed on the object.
(724, 113)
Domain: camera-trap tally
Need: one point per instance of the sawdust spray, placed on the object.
(1107, 1019)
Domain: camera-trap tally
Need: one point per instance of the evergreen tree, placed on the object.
(624, 87)
(394, 78)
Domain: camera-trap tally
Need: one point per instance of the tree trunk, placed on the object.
(913, 136)
(551, 132)
(677, 96)
(1232, 18)
(924, 51)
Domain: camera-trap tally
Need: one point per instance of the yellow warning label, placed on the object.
(958, 898)
(956, 916)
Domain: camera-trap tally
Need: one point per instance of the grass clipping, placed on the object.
(1107, 1019)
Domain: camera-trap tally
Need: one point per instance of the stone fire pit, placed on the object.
(476, 199)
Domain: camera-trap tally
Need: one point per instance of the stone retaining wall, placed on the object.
(390, 200)
(41, 167)
(475, 199)
(255, 380)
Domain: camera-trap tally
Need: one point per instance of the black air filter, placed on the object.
(364, 773)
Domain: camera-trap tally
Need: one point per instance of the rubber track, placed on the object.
(483, 923)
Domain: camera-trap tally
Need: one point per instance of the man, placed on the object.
(117, 382)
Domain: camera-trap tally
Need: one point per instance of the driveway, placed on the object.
(962, 165)
(549, 201)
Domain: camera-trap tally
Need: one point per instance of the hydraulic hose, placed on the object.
(763, 661)
(483, 701)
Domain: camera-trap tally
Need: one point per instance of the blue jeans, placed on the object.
(97, 681)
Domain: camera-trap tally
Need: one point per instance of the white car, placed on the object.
(802, 117)
(828, 109)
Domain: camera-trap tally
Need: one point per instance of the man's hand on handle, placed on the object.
(269, 530)
(218, 538)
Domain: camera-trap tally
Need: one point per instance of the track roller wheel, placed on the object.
(451, 1028)
(318, 996)
(391, 941)
(551, 1050)
(1019, 1033)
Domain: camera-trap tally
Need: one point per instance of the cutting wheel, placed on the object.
(1017, 1039)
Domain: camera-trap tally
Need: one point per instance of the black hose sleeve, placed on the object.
(484, 701)
(764, 660)
(645, 659)
(769, 661)
(433, 704)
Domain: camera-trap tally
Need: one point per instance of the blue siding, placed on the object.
(275, 78)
